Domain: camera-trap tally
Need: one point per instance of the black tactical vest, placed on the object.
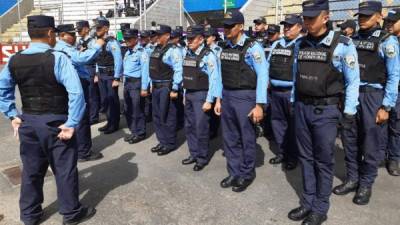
(105, 58)
(84, 43)
(158, 69)
(236, 74)
(372, 66)
(281, 63)
(193, 76)
(40, 91)
(316, 76)
(267, 49)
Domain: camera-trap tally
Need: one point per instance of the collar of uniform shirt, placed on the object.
(240, 42)
(289, 42)
(213, 46)
(198, 50)
(63, 43)
(134, 49)
(39, 45)
(327, 40)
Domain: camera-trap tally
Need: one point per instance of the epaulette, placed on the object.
(141, 49)
(345, 40)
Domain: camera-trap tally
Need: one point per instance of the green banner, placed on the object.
(229, 4)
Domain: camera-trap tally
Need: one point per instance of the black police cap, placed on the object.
(260, 20)
(176, 33)
(102, 23)
(393, 15)
(272, 28)
(210, 31)
(153, 33)
(130, 33)
(292, 19)
(69, 28)
(194, 31)
(163, 29)
(81, 24)
(41, 21)
(233, 17)
(313, 8)
(368, 8)
(144, 33)
(348, 23)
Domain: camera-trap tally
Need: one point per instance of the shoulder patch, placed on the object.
(344, 40)
(377, 33)
(218, 48)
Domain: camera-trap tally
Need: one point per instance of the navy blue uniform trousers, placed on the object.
(394, 133)
(315, 132)
(135, 107)
(111, 100)
(197, 125)
(238, 132)
(282, 122)
(94, 96)
(83, 132)
(164, 116)
(362, 143)
(39, 149)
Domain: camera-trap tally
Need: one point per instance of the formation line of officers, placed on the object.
(305, 86)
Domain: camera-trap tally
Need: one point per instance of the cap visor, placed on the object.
(311, 13)
(287, 22)
(391, 18)
(257, 21)
(365, 12)
(229, 22)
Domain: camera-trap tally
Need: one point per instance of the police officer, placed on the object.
(109, 64)
(200, 77)
(145, 39)
(392, 165)
(260, 27)
(136, 74)
(244, 79)
(124, 27)
(279, 65)
(326, 68)
(153, 37)
(378, 54)
(213, 38)
(67, 39)
(85, 42)
(166, 75)
(274, 33)
(52, 106)
(348, 28)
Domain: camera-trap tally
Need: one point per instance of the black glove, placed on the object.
(347, 121)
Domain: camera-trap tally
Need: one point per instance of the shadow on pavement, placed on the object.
(99, 180)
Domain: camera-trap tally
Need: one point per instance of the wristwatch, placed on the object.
(11, 118)
(386, 108)
(117, 79)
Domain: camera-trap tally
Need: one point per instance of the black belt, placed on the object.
(132, 79)
(281, 89)
(367, 89)
(307, 100)
(107, 70)
(162, 84)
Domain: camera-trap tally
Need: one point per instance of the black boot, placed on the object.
(362, 196)
(299, 213)
(314, 219)
(393, 168)
(345, 188)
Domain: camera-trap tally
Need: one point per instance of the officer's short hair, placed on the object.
(37, 33)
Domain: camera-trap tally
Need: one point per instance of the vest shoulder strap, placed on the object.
(205, 51)
(250, 42)
(344, 40)
(335, 42)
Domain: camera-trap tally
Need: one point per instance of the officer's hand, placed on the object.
(66, 133)
(382, 116)
(100, 42)
(347, 121)
(173, 95)
(96, 79)
(144, 93)
(217, 107)
(16, 123)
(206, 107)
(115, 84)
(256, 114)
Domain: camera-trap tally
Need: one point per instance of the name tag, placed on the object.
(280, 51)
(156, 55)
(365, 45)
(308, 77)
(230, 56)
(313, 56)
(187, 78)
(189, 63)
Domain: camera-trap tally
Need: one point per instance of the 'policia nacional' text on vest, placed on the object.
(281, 63)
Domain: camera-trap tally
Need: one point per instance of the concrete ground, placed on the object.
(131, 185)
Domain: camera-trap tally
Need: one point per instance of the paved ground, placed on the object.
(133, 186)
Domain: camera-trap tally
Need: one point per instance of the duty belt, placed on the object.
(132, 79)
(280, 89)
(308, 100)
(162, 84)
(368, 89)
(107, 70)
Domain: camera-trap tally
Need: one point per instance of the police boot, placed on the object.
(362, 196)
(393, 168)
(103, 128)
(228, 182)
(345, 188)
(314, 219)
(156, 148)
(86, 213)
(299, 213)
(276, 160)
(241, 184)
